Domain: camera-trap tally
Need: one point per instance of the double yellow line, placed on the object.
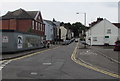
(73, 57)
(29, 55)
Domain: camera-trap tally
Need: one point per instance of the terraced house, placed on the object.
(27, 25)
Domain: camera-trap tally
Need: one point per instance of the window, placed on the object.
(94, 38)
(32, 24)
(108, 31)
(90, 32)
(41, 27)
(36, 26)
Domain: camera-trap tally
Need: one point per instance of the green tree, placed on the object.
(76, 27)
(68, 25)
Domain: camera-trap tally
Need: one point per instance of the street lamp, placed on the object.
(84, 17)
(83, 31)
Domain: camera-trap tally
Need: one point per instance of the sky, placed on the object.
(65, 10)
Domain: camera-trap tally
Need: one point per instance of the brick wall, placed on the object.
(21, 25)
(24, 25)
(5, 24)
(12, 24)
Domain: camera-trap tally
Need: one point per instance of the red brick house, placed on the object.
(23, 21)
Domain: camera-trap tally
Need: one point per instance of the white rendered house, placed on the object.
(63, 33)
(103, 32)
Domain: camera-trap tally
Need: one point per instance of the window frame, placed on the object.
(109, 31)
(94, 39)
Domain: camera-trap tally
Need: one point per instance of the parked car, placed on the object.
(117, 46)
(72, 40)
(76, 40)
(66, 42)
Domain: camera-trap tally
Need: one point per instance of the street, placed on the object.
(54, 63)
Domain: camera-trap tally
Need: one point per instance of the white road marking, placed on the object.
(47, 63)
(88, 52)
(33, 73)
(73, 57)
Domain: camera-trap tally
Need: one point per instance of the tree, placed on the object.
(68, 25)
(76, 27)
(62, 24)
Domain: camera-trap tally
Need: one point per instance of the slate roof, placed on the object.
(50, 22)
(20, 14)
(32, 13)
(117, 24)
(95, 22)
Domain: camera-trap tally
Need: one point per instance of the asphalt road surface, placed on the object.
(50, 64)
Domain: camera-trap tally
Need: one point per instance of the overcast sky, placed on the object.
(65, 10)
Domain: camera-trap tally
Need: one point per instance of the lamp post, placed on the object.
(84, 17)
(83, 31)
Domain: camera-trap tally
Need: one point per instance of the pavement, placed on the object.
(99, 56)
(108, 52)
(8, 56)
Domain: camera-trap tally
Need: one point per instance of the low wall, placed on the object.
(13, 41)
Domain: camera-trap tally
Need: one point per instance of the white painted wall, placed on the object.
(63, 32)
(119, 33)
(100, 31)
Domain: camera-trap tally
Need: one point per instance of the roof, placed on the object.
(50, 22)
(117, 24)
(32, 13)
(95, 22)
(20, 14)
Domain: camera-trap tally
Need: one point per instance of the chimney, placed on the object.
(99, 19)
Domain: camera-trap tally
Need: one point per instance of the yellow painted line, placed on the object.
(29, 55)
(73, 57)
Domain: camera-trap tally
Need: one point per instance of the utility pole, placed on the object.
(119, 20)
(83, 31)
(84, 17)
